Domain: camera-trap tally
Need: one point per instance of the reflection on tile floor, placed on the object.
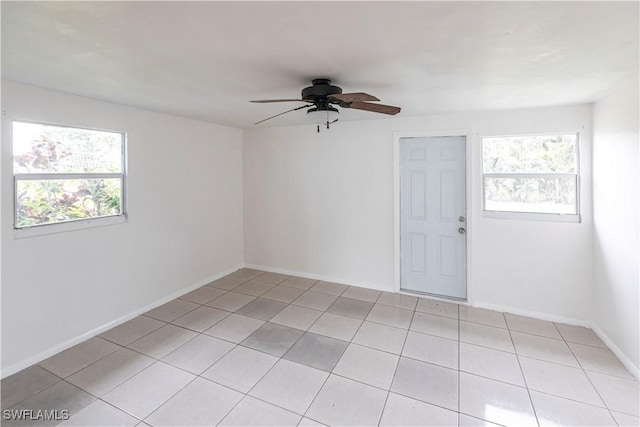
(257, 348)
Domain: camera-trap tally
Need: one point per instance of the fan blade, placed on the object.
(353, 97)
(288, 111)
(376, 108)
(262, 101)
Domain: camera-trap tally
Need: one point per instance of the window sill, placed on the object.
(532, 216)
(64, 227)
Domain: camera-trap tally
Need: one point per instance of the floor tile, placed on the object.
(366, 365)
(391, 316)
(490, 363)
(559, 380)
(404, 411)
(350, 307)
(299, 282)
(439, 308)
(543, 348)
(381, 337)
(345, 402)
(435, 325)
(23, 384)
(297, 317)
(432, 349)
(106, 374)
(336, 326)
(579, 335)
(290, 386)
(100, 414)
(625, 420)
(254, 288)
(198, 354)
(241, 368)
(201, 319)
(231, 301)
(269, 277)
(263, 309)
(395, 299)
(253, 412)
(469, 421)
(555, 411)
(203, 295)
(483, 316)
(171, 310)
(487, 336)
(362, 294)
(227, 283)
(273, 339)
(308, 422)
(234, 328)
(317, 351)
(619, 394)
(79, 356)
(495, 401)
(162, 341)
(426, 382)
(284, 294)
(145, 392)
(315, 300)
(329, 288)
(600, 360)
(132, 330)
(60, 396)
(532, 326)
(245, 274)
(201, 403)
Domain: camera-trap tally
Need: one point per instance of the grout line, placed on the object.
(195, 377)
(349, 342)
(533, 408)
(395, 372)
(591, 382)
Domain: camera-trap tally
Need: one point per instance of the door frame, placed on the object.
(469, 190)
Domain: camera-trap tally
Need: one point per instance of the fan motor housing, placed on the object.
(321, 89)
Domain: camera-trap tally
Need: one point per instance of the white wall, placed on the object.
(322, 205)
(184, 226)
(616, 218)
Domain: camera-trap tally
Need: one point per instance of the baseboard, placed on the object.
(377, 287)
(16, 367)
(631, 367)
(534, 314)
(368, 285)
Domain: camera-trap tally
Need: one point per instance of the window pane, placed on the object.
(51, 201)
(39, 148)
(544, 195)
(530, 154)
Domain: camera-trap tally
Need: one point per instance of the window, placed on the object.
(66, 174)
(531, 177)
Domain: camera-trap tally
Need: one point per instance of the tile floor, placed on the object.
(257, 348)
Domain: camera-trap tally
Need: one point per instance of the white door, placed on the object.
(433, 216)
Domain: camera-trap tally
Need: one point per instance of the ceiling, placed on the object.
(206, 60)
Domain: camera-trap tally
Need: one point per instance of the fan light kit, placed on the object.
(321, 116)
(322, 95)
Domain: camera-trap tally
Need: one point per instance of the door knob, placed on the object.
(461, 218)
(461, 230)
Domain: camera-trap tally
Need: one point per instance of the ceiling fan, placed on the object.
(321, 98)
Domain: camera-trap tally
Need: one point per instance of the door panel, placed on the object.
(432, 199)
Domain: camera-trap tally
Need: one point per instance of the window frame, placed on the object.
(533, 216)
(74, 224)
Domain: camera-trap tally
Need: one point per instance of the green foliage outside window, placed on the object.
(64, 160)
